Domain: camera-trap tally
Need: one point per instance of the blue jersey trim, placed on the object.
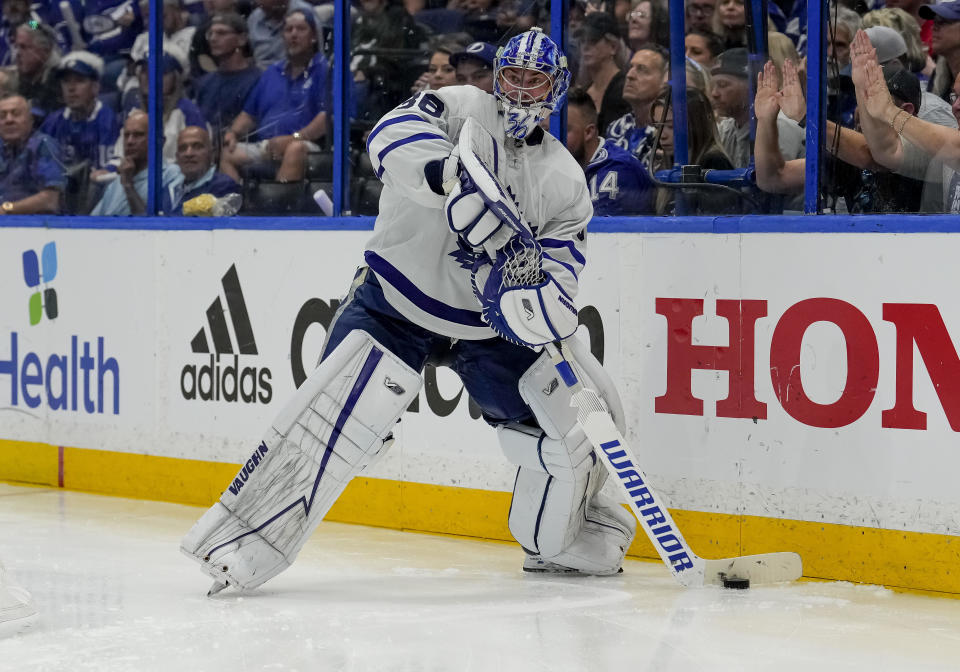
(400, 143)
(390, 122)
(558, 244)
(412, 293)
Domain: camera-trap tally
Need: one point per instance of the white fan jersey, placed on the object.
(424, 270)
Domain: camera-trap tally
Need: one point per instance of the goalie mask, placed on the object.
(530, 78)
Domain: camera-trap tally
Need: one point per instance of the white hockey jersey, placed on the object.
(424, 272)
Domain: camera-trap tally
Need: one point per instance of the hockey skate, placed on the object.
(16, 607)
(537, 565)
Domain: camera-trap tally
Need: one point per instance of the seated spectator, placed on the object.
(265, 29)
(730, 97)
(31, 173)
(37, 56)
(175, 30)
(912, 9)
(85, 129)
(945, 44)
(703, 46)
(382, 24)
(898, 139)
(221, 94)
(847, 24)
(703, 149)
(730, 23)
(127, 195)
(178, 110)
(915, 184)
(649, 67)
(647, 22)
(285, 114)
(15, 13)
(600, 52)
(618, 183)
(195, 159)
(475, 65)
(440, 71)
(917, 59)
(699, 15)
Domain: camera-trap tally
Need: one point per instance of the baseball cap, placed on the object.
(888, 43)
(903, 84)
(82, 63)
(478, 51)
(230, 19)
(174, 59)
(596, 26)
(732, 62)
(946, 10)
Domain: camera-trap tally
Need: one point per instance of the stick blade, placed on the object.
(759, 569)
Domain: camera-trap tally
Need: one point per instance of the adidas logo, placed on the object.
(226, 381)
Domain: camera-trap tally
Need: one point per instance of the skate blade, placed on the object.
(216, 588)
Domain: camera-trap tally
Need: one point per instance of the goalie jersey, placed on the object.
(423, 267)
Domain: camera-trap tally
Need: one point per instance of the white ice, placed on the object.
(114, 593)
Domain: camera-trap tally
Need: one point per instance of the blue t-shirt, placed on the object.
(618, 183)
(221, 95)
(30, 169)
(114, 200)
(282, 105)
(625, 134)
(92, 139)
(211, 182)
(105, 35)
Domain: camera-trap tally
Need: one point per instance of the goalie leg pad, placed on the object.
(558, 513)
(336, 424)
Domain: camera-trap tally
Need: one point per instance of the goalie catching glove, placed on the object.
(519, 300)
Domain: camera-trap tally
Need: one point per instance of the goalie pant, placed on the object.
(339, 422)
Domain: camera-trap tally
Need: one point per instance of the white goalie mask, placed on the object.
(530, 78)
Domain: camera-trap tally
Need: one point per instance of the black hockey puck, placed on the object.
(735, 583)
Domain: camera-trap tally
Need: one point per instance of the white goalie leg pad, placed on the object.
(17, 611)
(557, 512)
(336, 424)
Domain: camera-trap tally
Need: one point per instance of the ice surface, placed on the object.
(114, 593)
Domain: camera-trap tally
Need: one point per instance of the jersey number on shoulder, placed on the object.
(607, 186)
(427, 102)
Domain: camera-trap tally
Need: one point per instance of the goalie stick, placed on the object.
(480, 155)
(687, 567)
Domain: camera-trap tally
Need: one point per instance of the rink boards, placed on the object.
(784, 391)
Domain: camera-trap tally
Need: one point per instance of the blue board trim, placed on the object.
(728, 224)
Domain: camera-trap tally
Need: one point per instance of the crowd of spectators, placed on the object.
(247, 100)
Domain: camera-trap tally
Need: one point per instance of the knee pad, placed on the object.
(557, 512)
(335, 425)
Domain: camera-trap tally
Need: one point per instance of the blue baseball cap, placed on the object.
(478, 51)
(82, 63)
(947, 10)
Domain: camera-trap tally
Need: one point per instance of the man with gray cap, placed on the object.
(220, 94)
(730, 95)
(600, 47)
(474, 65)
(945, 43)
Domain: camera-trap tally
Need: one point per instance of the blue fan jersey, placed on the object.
(618, 183)
(92, 139)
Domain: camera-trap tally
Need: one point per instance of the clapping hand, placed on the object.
(873, 94)
(766, 104)
(792, 101)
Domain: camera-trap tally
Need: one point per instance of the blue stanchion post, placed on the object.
(816, 103)
(341, 106)
(678, 84)
(559, 11)
(155, 110)
(678, 96)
